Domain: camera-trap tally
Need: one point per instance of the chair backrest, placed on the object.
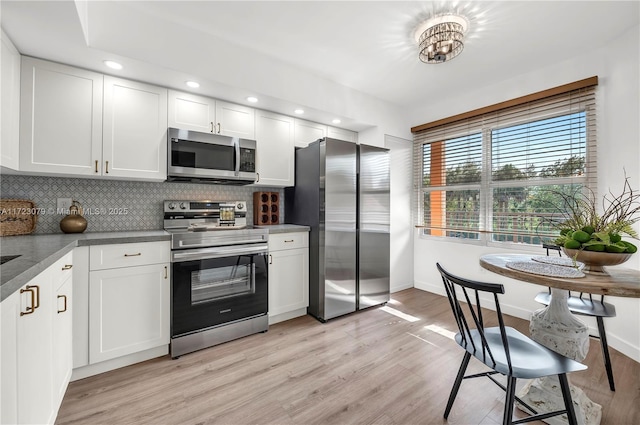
(470, 290)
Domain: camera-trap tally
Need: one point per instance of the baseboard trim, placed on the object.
(107, 365)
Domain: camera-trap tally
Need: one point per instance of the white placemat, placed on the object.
(544, 269)
(558, 261)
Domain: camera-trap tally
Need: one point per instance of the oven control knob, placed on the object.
(240, 206)
(183, 206)
(171, 206)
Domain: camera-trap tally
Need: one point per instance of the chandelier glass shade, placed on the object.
(441, 39)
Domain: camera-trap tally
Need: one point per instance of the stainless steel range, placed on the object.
(219, 282)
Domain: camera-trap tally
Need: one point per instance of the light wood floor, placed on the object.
(366, 368)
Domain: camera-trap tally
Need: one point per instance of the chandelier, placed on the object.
(441, 38)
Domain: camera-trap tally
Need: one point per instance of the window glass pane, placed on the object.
(524, 214)
(453, 161)
(553, 147)
(456, 210)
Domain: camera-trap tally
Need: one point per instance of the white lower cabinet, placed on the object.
(129, 300)
(128, 311)
(36, 347)
(288, 275)
(62, 338)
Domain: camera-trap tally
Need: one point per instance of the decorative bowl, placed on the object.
(594, 262)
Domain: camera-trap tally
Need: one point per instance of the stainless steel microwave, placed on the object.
(210, 158)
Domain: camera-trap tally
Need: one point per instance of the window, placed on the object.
(495, 176)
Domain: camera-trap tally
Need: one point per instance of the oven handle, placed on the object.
(182, 244)
(206, 253)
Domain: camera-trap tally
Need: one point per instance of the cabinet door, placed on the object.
(34, 368)
(9, 316)
(80, 307)
(342, 134)
(135, 130)
(128, 310)
(235, 120)
(288, 280)
(60, 118)
(274, 152)
(306, 132)
(62, 339)
(191, 112)
(10, 88)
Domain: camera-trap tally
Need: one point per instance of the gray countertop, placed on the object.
(37, 252)
(284, 228)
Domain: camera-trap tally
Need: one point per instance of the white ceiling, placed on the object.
(273, 48)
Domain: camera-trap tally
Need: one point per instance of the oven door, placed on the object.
(212, 288)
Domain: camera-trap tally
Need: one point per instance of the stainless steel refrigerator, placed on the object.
(342, 193)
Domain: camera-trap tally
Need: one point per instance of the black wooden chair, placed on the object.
(585, 305)
(503, 349)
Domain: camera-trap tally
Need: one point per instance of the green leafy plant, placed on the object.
(581, 226)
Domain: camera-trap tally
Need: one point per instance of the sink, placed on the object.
(5, 258)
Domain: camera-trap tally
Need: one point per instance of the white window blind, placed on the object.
(496, 175)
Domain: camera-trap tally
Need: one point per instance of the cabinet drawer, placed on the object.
(127, 255)
(62, 269)
(281, 241)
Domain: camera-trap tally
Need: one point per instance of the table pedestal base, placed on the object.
(544, 395)
(559, 330)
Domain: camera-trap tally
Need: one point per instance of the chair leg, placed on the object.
(605, 352)
(456, 385)
(566, 395)
(509, 401)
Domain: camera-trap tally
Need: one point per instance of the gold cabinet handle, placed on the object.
(212, 127)
(67, 267)
(30, 309)
(166, 272)
(65, 303)
(37, 295)
(218, 128)
(133, 255)
(106, 167)
(96, 165)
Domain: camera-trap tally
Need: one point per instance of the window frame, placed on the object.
(485, 124)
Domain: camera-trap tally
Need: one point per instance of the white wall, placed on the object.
(617, 66)
(401, 253)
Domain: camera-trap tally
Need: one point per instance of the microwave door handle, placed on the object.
(236, 143)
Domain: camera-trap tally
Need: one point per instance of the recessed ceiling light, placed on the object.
(113, 65)
(193, 84)
(299, 111)
(336, 121)
(252, 99)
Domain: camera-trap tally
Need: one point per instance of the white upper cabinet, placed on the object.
(306, 132)
(10, 88)
(342, 134)
(191, 112)
(275, 154)
(198, 113)
(235, 120)
(60, 118)
(135, 130)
